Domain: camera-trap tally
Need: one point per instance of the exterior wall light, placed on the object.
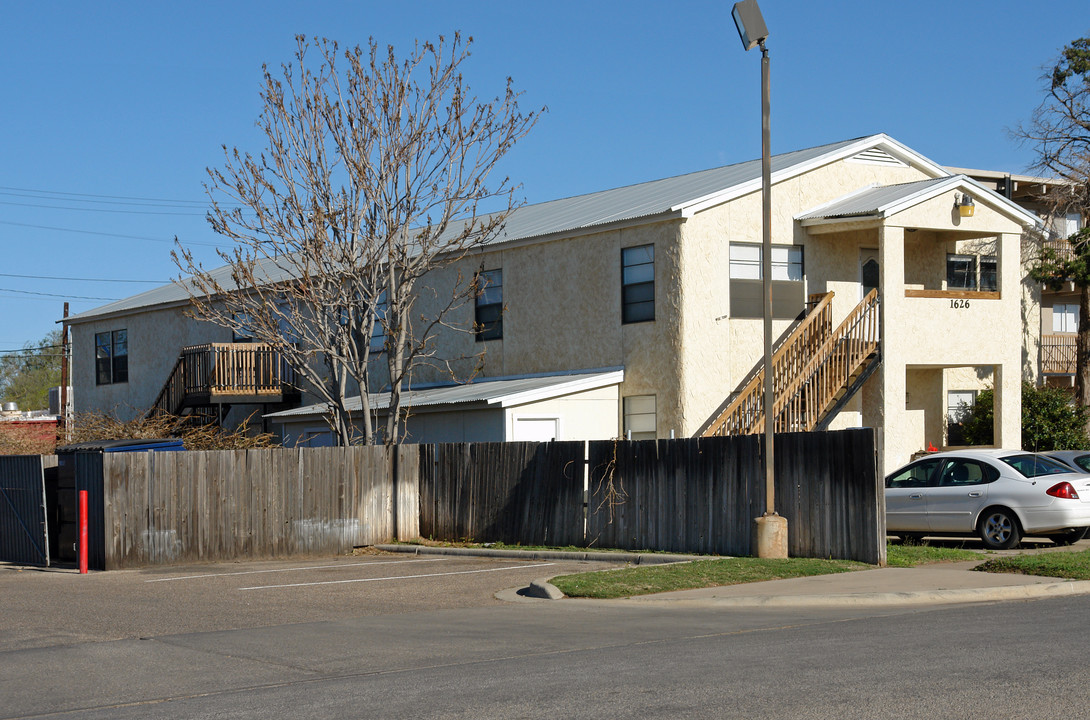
(965, 205)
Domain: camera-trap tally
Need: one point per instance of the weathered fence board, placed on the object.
(528, 493)
(159, 508)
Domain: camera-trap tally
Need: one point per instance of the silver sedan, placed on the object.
(999, 495)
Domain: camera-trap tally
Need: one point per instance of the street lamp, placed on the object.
(770, 530)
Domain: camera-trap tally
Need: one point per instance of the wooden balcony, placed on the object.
(226, 373)
(1058, 354)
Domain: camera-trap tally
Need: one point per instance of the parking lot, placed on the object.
(46, 607)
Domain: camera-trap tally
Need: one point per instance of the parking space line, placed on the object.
(396, 577)
(291, 569)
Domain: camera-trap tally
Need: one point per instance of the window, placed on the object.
(989, 279)
(747, 286)
(961, 272)
(488, 323)
(243, 331)
(378, 332)
(640, 422)
(111, 357)
(958, 405)
(1065, 317)
(967, 472)
(638, 284)
(916, 475)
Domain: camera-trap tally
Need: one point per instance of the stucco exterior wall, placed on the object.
(590, 415)
(719, 351)
(562, 312)
(155, 339)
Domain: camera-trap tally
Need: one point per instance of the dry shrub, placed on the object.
(87, 427)
(27, 438)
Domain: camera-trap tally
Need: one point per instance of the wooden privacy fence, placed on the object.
(162, 508)
(696, 495)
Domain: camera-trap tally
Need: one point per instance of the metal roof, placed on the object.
(886, 200)
(581, 212)
(492, 391)
(669, 197)
(871, 201)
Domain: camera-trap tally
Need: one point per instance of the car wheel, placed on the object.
(1069, 537)
(999, 529)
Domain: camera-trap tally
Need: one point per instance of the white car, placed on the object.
(999, 495)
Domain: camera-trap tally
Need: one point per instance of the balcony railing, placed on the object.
(1058, 354)
(225, 373)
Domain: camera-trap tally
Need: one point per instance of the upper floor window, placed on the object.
(378, 332)
(111, 357)
(746, 281)
(638, 284)
(963, 272)
(243, 329)
(488, 321)
(1065, 317)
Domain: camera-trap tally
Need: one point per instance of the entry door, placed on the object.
(868, 271)
(535, 429)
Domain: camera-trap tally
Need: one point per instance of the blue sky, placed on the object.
(107, 102)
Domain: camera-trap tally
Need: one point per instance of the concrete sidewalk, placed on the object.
(936, 584)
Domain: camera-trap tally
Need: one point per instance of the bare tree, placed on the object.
(1059, 132)
(373, 175)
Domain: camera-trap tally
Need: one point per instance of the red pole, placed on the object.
(83, 532)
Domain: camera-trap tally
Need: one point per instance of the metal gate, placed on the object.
(24, 534)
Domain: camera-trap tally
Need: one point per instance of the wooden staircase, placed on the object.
(815, 371)
(207, 379)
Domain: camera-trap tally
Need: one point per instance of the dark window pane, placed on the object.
(638, 312)
(644, 292)
(121, 369)
(102, 371)
(489, 322)
(988, 275)
(960, 272)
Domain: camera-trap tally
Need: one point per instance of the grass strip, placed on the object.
(912, 555)
(1069, 565)
(699, 574)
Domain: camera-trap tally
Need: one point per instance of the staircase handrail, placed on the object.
(854, 340)
(786, 361)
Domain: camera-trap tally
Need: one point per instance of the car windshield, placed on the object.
(1032, 466)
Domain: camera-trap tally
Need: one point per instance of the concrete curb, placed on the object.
(543, 589)
(876, 599)
(614, 557)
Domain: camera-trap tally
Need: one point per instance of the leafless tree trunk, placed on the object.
(1059, 132)
(371, 179)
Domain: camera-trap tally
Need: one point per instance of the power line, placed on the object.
(45, 294)
(16, 191)
(104, 234)
(98, 210)
(74, 279)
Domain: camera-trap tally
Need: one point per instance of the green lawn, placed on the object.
(687, 576)
(1070, 565)
(645, 580)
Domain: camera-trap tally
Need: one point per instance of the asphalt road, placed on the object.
(376, 649)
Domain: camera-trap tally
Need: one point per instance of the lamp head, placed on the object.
(750, 23)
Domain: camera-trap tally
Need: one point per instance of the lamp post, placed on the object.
(770, 530)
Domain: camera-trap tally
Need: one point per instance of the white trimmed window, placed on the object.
(640, 421)
(745, 262)
(1065, 317)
